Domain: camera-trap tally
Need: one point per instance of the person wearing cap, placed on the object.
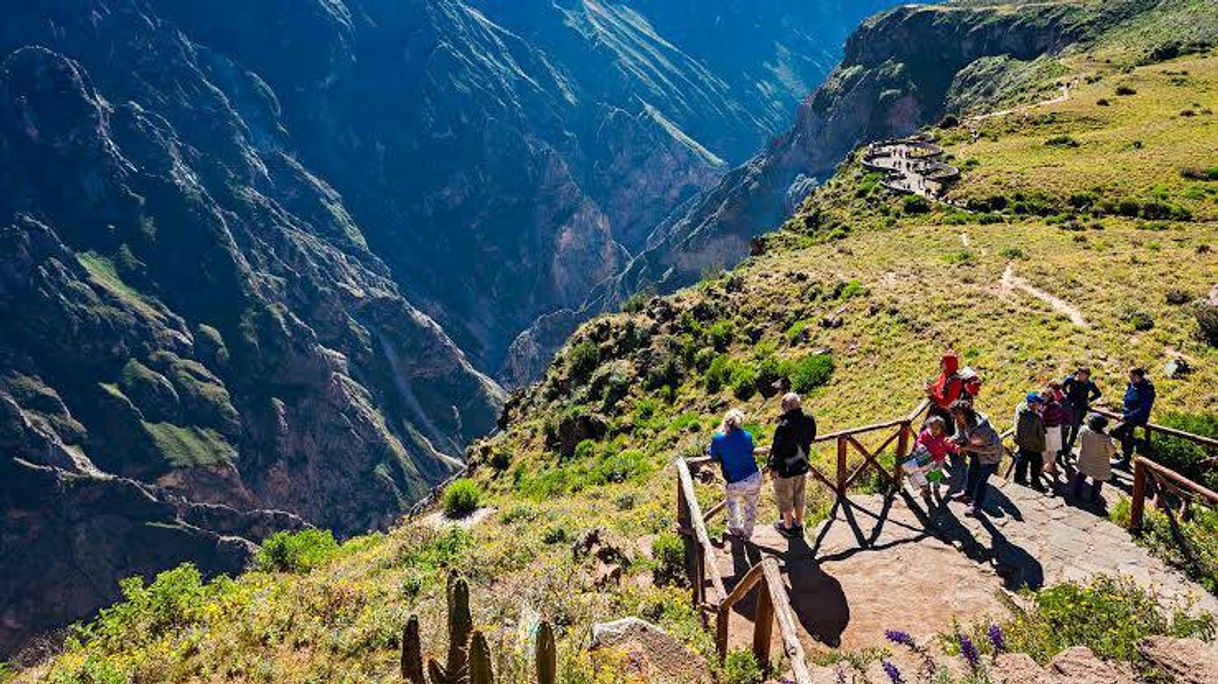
(946, 390)
(788, 464)
(1030, 441)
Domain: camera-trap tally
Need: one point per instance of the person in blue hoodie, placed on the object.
(1139, 400)
(733, 448)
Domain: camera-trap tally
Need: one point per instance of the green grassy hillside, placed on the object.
(852, 302)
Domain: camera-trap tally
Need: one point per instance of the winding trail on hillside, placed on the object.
(1011, 282)
(1064, 96)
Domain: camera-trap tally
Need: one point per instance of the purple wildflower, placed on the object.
(893, 673)
(969, 650)
(996, 639)
(896, 636)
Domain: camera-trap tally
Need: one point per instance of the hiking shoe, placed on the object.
(796, 532)
(963, 498)
(781, 528)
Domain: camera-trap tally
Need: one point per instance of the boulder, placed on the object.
(573, 429)
(1176, 368)
(1185, 661)
(1078, 665)
(650, 652)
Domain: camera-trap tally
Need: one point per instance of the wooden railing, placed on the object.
(773, 606)
(772, 602)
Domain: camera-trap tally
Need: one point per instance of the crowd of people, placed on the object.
(957, 446)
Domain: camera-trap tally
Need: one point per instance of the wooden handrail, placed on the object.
(773, 606)
(688, 500)
(1208, 442)
(1143, 469)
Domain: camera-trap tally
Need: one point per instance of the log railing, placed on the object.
(773, 606)
(1152, 479)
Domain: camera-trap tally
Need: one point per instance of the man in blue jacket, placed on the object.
(1139, 400)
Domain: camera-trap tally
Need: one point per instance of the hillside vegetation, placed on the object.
(1107, 201)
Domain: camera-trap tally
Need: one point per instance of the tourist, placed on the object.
(1095, 450)
(1054, 417)
(1080, 394)
(983, 445)
(946, 389)
(937, 442)
(788, 464)
(1030, 441)
(1139, 400)
(733, 448)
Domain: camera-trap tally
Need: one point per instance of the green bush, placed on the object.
(636, 302)
(703, 359)
(461, 498)
(741, 667)
(1185, 457)
(744, 381)
(810, 372)
(1124, 90)
(582, 360)
(718, 374)
(721, 334)
(1138, 319)
(1108, 615)
(1062, 141)
(295, 552)
(1202, 174)
(915, 204)
(669, 553)
(852, 289)
(176, 598)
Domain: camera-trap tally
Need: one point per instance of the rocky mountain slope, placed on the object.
(1106, 201)
(250, 284)
(888, 85)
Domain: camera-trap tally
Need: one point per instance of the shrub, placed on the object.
(703, 359)
(461, 498)
(1103, 102)
(915, 204)
(1139, 319)
(636, 302)
(852, 289)
(1012, 253)
(1124, 90)
(1192, 546)
(555, 534)
(295, 552)
(964, 257)
(810, 372)
(769, 373)
(669, 553)
(665, 373)
(744, 381)
(741, 667)
(1207, 324)
(1178, 297)
(1107, 615)
(1200, 174)
(1183, 456)
(582, 360)
(718, 374)
(1062, 141)
(721, 334)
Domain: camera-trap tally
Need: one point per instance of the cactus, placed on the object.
(547, 655)
(412, 652)
(460, 628)
(480, 661)
(436, 671)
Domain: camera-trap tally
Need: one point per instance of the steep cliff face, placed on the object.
(895, 77)
(254, 254)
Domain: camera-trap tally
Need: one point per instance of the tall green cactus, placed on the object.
(480, 671)
(412, 652)
(547, 655)
(460, 628)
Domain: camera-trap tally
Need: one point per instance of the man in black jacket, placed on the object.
(788, 464)
(1080, 393)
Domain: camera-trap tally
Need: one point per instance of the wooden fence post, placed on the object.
(841, 466)
(763, 626)
(721, 622)
(685, 528)
(898, 474)
(1138, 506)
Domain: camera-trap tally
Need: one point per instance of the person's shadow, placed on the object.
(816, 597)
(1017, 568)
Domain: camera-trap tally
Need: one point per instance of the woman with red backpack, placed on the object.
(953, 384)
